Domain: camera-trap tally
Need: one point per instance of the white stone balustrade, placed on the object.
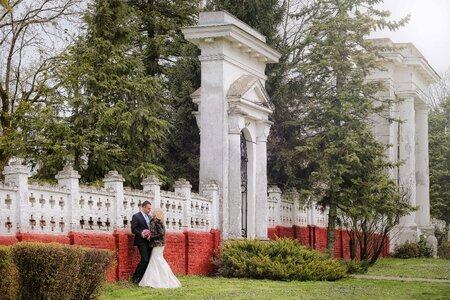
(287, 210)
(67, 206)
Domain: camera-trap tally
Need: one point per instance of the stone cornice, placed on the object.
(237, 37)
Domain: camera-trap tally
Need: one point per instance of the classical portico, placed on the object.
(233, 111)
(408, 76)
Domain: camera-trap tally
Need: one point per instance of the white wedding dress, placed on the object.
(158, 273)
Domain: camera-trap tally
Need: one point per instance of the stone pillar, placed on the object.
(407, 229)
(211, 191)
(153, 185)
(422, 169)
(407, 144)
(231, 207)
(262, 132)
(274, 195)
(113, 180)
(183, 189)
(17, 175)
(252, 186)
(68, 178)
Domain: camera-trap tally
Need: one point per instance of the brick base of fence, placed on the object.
(188, 252)
(316, 238)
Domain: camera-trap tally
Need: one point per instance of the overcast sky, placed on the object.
(428, 28)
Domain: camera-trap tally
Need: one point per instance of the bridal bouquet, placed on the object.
(146, 234)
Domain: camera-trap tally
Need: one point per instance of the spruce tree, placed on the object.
(113, 113)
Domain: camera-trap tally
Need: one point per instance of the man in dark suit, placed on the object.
(139, 223)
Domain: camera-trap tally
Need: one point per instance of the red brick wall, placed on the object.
(8, 240)
(175, 252)
(316, 238)
(189, 252)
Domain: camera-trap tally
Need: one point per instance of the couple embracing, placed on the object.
(149, 236)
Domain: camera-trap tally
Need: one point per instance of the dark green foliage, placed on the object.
(443, 250)
(93, 268)
(9, 275)
(424, 249)
(407, 250)
(46, 271)
(168, 57)
(57, 271)
(439, 153)
(282, 259)
(354, 266)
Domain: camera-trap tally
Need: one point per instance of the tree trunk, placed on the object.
(332, 215)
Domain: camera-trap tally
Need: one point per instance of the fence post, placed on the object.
(211, 191)
(68, 179)
(183, 188)
(113, 180)
(17, 175)
(153, 185)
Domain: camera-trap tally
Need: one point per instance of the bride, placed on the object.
(158, 273)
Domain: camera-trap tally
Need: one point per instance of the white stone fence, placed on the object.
(36, 208)
(287, 210)
(69, 206)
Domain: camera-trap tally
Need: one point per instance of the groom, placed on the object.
(139, 223)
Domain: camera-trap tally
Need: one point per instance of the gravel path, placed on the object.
(400, 278)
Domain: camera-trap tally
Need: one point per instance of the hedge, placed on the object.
(57, 271)
(282, 259)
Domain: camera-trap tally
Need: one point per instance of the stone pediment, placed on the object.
(249, 88)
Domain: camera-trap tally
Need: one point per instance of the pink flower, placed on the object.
(146, 233)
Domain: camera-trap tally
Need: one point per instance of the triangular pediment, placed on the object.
(249, 88)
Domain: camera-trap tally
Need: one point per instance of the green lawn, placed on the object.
(195, 287)
(415, 268)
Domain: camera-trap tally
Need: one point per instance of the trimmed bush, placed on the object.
(282, 259)
(47, 271)
(94, 264)
(407, 250)
(8, 275)
(355, 267)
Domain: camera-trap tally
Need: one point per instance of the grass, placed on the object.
(196, 287)
(414, 268)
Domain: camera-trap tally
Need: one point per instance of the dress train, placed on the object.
(158, 273)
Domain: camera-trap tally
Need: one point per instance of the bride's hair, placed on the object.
(159, 214)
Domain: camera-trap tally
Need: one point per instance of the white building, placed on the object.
(407, 76)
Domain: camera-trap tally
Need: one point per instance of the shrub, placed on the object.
(407, 250)
(8, 277)
(443, 250)
(282, 259)
(355, 267)
(424, 249)
(94, 264)
(47, 271)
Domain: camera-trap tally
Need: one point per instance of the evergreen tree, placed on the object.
(330, 101)
(111, 111)
(174, 62)
(439, 153)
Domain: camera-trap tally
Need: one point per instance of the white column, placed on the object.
(422, 169)
(232, 215)
(68, 178)
(251, 189)
(262, 131)
(407, 171)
